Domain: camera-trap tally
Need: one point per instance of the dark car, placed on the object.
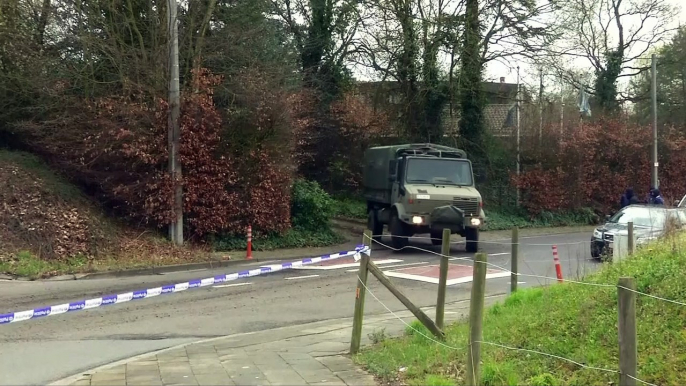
(649, 224)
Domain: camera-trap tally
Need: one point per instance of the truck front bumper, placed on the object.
(443, 217)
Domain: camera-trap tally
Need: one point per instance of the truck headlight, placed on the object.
(417, 220)
(597, 234)
(475, 222)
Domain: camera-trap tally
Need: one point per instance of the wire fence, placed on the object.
(579, 281)
(499, 267)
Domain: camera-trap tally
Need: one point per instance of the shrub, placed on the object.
(292, 238)
(331, 140)
(117, 149)
(594, 164)
(311, 207)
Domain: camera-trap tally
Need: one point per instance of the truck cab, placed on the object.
(422, 188)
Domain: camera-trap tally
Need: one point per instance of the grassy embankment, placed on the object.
(569, 320)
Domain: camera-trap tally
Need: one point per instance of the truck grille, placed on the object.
(609, 237)
(470, 206)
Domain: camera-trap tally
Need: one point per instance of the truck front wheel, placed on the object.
(472, 236)
(398, 233)
(374, 225)
(436, 237)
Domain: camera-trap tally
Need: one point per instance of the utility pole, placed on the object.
(540, 107)
(653, 91)
(562, 110)
(562, 118)
(519, 167)
(174, 134)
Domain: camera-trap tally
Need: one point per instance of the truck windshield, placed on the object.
(439, 171)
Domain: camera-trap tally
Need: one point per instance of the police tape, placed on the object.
(21, 316)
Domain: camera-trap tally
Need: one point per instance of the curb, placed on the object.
(156, 270)
(168, 269)
(350, 225)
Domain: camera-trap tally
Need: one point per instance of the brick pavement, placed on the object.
(310, 354)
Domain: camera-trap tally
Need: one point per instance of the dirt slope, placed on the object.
(44, 217)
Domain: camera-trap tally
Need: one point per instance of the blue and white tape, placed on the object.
(21, 316)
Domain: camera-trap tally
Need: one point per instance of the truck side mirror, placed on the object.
(607, 217)
(676, 203)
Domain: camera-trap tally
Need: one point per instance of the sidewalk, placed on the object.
(309, 354)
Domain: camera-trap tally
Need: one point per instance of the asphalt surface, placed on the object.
(46, 349)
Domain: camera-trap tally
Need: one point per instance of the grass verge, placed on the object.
(151, 252)
(293, 238)
(573, 321)
(25, 264)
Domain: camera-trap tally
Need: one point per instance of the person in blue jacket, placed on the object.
(629, 198)
(656, 197)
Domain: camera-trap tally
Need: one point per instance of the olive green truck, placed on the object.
(419, 189)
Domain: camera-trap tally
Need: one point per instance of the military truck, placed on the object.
(419, 189)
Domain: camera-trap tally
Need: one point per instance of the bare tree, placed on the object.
(609, 35)
(324, 32)
(420, 42)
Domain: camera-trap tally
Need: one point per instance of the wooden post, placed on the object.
(476, 313)
(360, 293)
(514, 279)
(628, 354)
(443, 279)
(631, 238)
(416, 311)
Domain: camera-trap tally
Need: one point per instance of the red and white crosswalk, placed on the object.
(457, 273)
(347, 262)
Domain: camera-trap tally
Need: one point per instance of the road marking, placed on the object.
(230, 285)
(470, 257)
(521, 282)
(300, 277)
(429, 279)
(392, 266)
(348, 265)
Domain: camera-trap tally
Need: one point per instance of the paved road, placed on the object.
(46, 349)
